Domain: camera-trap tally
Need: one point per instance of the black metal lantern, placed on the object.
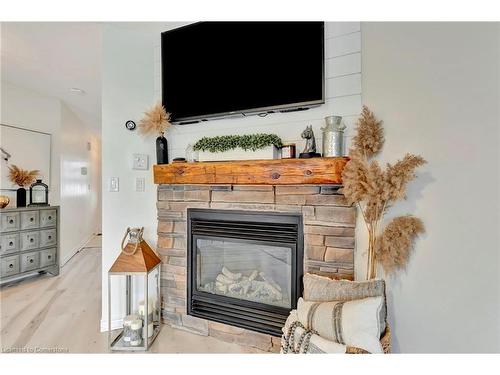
(39, 194)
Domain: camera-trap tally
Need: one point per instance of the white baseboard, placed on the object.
(115, 324)
(75, 250)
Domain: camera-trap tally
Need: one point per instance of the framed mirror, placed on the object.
(28, 149)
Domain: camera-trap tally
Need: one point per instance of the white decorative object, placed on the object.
(256, 286)
(141, 312)
(266, 153)
(136, 330)
(191, 154)
(132, 329)
(292, 344)
(353, 323)
(333, 136)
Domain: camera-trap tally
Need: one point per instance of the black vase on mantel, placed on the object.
(21, 197)
(161, 150)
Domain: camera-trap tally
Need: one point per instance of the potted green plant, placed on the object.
(238, 147)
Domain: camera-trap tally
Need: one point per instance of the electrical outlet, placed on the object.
(114, 184)
(140, 184)
(140, 162)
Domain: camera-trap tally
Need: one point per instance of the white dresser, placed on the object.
(29, 242)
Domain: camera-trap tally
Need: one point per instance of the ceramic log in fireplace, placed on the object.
(244, 267)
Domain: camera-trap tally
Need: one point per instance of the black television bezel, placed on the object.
(250, 111)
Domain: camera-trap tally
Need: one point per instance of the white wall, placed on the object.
(436, 88)
(127, 91)
(80, 206)
(80, 193)
(131, 83)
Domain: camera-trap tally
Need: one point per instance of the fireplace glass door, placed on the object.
(249, 270)
(244, 268)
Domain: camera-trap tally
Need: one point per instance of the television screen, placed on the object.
(218, 69)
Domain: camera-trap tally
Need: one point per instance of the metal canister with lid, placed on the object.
(333, 136)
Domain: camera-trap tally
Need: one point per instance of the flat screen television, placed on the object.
(219, 69)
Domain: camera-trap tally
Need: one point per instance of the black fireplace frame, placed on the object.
(251, 315)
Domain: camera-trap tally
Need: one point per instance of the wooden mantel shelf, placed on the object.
(253, 172)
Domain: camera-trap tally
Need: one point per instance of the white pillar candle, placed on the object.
(141, 311)
(136, 327)
(127, 323)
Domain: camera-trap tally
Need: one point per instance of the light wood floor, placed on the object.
(64, 313)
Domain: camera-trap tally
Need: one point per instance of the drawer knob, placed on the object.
(11, 265)
(31, 219)
(32, 240)
(50, 237)
(50, 217)
(11, 221)
(11, 243)
(49, 257)
(31, 260)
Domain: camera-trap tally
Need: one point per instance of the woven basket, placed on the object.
(385, 341)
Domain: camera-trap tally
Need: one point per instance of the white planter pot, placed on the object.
(270, 152)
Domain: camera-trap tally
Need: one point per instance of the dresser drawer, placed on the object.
(29, 240)
(29, 220)
(47, 257)
(9, 243)
(48, 218)
(9, 221)
(9, 266)
(48, 237)
(30, 261)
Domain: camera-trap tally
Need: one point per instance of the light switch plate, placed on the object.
(140, 184)
(114, 184)
(140, 162)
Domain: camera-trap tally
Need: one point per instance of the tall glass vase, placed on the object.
(161, 150)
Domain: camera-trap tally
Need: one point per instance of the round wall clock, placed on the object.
(130, 125)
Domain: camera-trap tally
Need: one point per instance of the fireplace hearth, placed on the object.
(244, 268)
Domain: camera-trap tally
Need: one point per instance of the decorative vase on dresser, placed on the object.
(29, 242)
(21, 197)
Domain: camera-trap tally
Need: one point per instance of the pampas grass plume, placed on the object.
(22, 177)
(369, 138)
(374, 190)
(395, 244)
(155, 121)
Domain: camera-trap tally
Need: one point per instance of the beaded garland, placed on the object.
(288, 340)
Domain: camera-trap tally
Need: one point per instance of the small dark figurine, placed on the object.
(310, 149)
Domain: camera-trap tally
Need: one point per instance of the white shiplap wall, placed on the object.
(343, 97)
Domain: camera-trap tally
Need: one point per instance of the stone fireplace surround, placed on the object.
(329, 225)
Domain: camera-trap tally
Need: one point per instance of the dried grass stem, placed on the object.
(374, 189)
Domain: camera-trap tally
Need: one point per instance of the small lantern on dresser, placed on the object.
(133, 279)
(39, 194)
